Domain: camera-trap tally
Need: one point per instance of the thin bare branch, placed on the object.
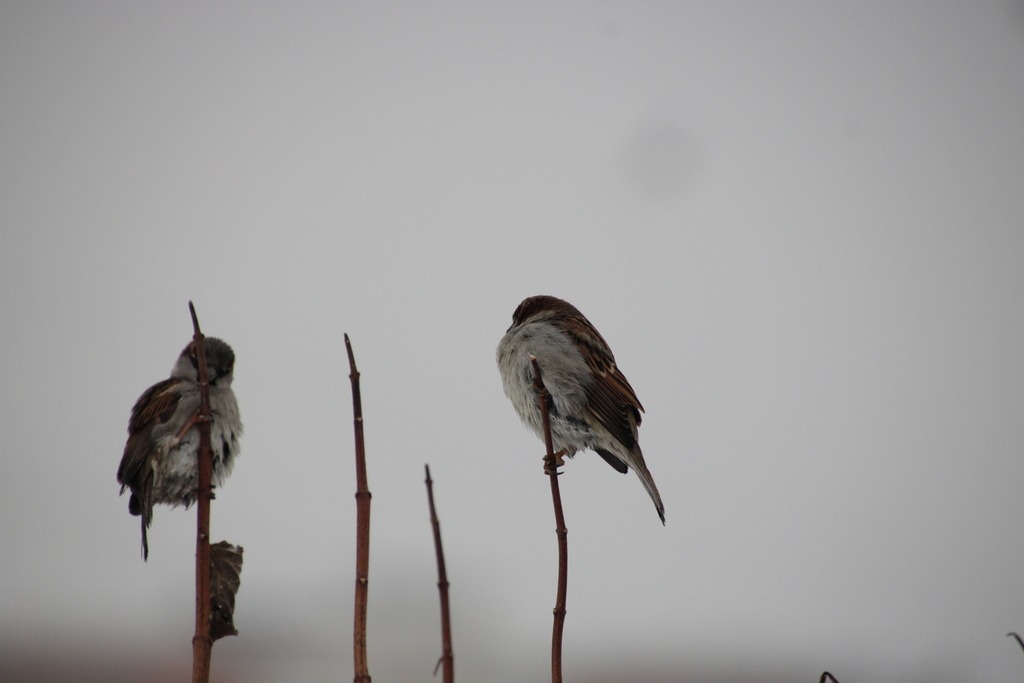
(826, 676)
(362, 673)
(202, 642)
(551, 463)
(1017, 638)
(447, 657)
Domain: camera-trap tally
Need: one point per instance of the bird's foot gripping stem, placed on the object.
(196, 418)
(552, 463)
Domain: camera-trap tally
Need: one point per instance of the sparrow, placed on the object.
(161, 459)
(592, 404)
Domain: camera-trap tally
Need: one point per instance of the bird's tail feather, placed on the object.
(145, 539)
(636, 462)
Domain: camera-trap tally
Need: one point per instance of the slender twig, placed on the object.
(202, 643)
(826, 676)
(1016, 636)
(551, 463)
(362, 672)
(447, 658)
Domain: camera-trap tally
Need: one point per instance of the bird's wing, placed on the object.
(610, 398)
(156, 406)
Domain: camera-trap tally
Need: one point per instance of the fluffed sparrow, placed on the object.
(592, 404)
(160, 462)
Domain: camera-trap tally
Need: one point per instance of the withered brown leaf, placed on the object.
(226, 570)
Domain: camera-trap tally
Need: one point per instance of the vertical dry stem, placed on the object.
(551, 468)
(202, 643)
(362, 673)
(447, 657)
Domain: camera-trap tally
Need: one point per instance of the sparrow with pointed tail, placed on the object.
(592, 404)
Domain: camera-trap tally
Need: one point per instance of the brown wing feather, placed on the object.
(154, 407)
(611, 399)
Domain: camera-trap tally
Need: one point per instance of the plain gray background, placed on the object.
(799, 225)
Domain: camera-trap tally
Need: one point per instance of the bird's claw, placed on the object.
(553, 462)
(196, 418)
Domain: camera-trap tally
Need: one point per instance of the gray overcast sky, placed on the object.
(799, 225)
